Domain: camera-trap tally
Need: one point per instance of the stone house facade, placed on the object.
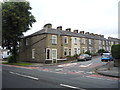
(50, 44)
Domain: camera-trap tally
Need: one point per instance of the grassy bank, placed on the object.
(18, 64)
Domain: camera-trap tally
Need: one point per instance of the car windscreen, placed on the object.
(105, 55)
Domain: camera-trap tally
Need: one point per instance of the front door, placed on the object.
(47, 53)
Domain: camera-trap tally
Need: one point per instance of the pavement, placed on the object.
(108, 70)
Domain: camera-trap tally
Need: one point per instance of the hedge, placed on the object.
(115, 50)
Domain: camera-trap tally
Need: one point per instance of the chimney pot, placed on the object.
(76, 31)
(87, 33)
(46, 26)
(82, 32)
(68, 29)
(59, 27)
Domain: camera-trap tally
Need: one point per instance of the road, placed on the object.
(55, 77)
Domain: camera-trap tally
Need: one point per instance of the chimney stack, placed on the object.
(75, 31)
(92, 34)
(96, 34)
(109, 37)
(59, 28)
(82, 32)
(46, 26)
(87, 33)
(68, 29)
(102, 36)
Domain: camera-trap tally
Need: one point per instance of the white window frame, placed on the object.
(66, 40)
(66, 49)
(83, 40)
(33, 53)
(75, 40)
(83, 50)
(78, 52)
(99, 42)
(106, 42)
(90, 41)
(54, 39)
(103, 42)
(75, 51)
(56, 54)
(69, 51)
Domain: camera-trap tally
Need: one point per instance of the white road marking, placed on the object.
(58, 69)
(25, 76)
(98, 78)
(81, 71)
(85, 65)
(69, 64)
(89, 72)
(71, 87)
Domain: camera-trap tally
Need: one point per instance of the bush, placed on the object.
(88, 52)
(71, 57)
(115, 50)
(76, 55)
(11, 59)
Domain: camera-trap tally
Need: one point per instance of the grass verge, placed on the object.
(19, 64)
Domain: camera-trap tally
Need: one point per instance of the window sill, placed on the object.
(54, 44)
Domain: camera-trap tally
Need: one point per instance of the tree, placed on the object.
(16, 19)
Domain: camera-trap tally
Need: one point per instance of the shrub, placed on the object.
(76, 55)
(115, 50)
(11, 59)
(101, 50)
(71, 57)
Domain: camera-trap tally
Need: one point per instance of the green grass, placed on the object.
(19, 64)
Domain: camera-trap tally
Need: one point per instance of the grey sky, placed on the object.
(95, 16)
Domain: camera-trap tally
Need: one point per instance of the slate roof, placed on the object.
(64, 33)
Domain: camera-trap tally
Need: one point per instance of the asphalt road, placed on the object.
(85, 66)
(16, 77)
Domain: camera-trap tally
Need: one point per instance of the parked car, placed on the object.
(84, 57)
(107, 57)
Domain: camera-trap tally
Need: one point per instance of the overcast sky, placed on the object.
(94, 16)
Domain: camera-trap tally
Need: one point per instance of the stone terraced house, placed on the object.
(55, 44)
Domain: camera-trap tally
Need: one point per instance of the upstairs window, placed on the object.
(99, 42)
(103, 42)
(90, 41)
(75, 40)
(66, 40)
(83, 40)
(54, 39)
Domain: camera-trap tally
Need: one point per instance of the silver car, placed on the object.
(84, 57)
